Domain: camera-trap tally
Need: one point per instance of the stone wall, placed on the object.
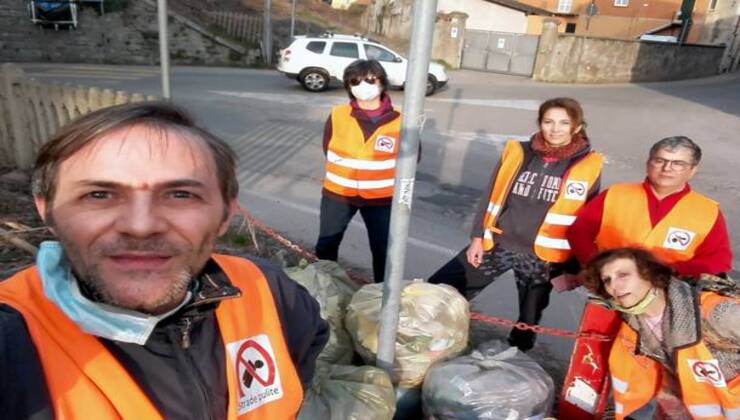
(129, 36)
(563, 58)
(449, 34)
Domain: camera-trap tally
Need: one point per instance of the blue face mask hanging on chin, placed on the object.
(98, 319)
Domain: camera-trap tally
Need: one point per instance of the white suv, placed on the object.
(314, 61)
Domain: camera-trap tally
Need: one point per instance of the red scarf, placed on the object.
(385, 107)
(550, 153)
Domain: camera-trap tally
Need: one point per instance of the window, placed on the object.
(570, 28)
(621, 3)
(713, 5)
(380, 54)
(345, 49)
(316, 46)
(565, 5)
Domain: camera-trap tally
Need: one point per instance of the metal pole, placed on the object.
(164, 51)
(267, 33)
(292, 20)
(413, 107)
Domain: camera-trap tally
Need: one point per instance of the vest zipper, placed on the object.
(185, 334)
(188, 366)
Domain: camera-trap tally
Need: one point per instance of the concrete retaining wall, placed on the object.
(565, 58)
(125, 37)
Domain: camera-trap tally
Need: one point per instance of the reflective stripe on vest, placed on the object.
(636, 379)
(83, 377)
(626, 222)
(550, 244)
(359, 168)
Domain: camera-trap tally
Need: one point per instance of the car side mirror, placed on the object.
(398, 60)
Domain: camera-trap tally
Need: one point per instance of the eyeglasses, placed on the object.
(357, 80)
(676, 165)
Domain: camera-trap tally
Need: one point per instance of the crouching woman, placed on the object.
(677, 353)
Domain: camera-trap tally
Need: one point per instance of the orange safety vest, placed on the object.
(626, 222)
(355, 167)
(551, 243)
(83, 377)
(706, 393)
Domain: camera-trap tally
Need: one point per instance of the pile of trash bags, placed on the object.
(433, 325)
(330, 285)
(349, 393)
(494, 382)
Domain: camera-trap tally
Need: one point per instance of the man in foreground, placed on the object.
(130, 315)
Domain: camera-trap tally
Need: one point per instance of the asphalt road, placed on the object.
(275, 127)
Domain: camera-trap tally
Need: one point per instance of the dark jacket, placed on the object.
(181, 368)
(522, 214)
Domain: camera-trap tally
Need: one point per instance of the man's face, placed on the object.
(671, 168)
(138, 213)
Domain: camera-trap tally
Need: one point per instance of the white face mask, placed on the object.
(366, 91)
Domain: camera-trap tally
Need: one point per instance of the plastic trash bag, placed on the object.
(494, 382)
(329, 284)
(349, 393)
(433, 325)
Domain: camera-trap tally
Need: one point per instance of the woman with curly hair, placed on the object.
(677, 352)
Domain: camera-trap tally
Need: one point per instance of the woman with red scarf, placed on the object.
(361, 143)
(535, 192)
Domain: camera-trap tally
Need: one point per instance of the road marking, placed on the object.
(331, 100)
(524, 104)
(484, 137)
(288, 99)
(419, 243)
(84, 76)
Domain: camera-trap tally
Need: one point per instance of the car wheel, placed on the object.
(314, 80)
(431, 85)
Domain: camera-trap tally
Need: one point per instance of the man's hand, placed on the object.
(475, 252)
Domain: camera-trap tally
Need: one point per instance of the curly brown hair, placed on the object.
(649, 268)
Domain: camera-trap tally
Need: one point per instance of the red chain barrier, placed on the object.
(290, 245)
(536, 328)
(473, 315)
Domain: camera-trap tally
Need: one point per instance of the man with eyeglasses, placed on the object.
(662, 214)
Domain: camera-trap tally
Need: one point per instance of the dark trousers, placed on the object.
(532, 284)
(334, 219)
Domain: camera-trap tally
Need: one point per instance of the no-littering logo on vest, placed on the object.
(253, 361)
(678, 239)
(385, 144)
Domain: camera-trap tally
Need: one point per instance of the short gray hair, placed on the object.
(672, 143)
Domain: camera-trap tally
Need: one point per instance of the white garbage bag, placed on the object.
(349, 393)
(329, 284)
(494, 382)
(433, 325)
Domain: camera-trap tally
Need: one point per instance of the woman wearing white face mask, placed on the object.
(361, 143)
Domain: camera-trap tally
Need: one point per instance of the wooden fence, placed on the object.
(31, 112)
(242, 26)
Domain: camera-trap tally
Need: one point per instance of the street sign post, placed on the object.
(164, 51)
(413, 108)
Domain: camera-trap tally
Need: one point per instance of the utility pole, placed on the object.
(292, 20)
(164, 50)
(267, 33)
(425, 12)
